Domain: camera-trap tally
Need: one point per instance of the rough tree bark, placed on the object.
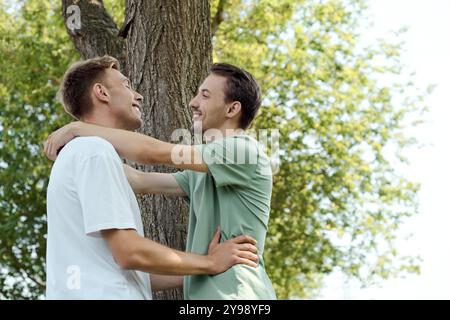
(165, 49)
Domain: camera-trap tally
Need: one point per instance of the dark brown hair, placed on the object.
(78, 79)
(241, 86)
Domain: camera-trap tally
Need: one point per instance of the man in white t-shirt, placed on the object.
(96, 247)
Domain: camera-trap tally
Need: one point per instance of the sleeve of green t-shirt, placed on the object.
(231, 161)
(182, 178)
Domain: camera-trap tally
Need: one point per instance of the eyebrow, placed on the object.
(205, 90)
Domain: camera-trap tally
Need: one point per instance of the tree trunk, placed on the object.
(98, 34)
(166, 53)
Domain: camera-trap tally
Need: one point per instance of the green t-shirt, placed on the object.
(234, 194)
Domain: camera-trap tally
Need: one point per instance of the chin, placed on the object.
(134, 125)
(139, 124)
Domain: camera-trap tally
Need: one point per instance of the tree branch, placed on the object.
(130, 11)
(39, 282)
(96, 33)
(218, 18)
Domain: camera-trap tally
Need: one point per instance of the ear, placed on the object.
(100, 92)
(233, 109)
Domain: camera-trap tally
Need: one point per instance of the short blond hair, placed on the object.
(78, 79)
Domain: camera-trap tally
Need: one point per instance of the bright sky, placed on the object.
(428, 54)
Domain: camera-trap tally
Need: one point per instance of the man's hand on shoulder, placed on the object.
(58, 139)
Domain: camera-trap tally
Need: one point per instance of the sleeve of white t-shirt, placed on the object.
(102, 189)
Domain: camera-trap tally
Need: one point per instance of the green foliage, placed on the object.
(337, 201)
(116, 9)
(34, 53)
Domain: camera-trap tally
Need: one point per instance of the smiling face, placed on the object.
(124, 103)
(208, 106)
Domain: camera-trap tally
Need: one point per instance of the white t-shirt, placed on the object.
(89, 192)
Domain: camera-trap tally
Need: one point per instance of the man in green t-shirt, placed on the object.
(227, 180)
(236, 197)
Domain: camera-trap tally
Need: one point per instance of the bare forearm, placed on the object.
(133, 252)
(133, 178)
(152, 257)
(143, 149)
(160, 282)
(131, 145)
(152, 182)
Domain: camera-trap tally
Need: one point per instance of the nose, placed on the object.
(138, 97)
(194, 103)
